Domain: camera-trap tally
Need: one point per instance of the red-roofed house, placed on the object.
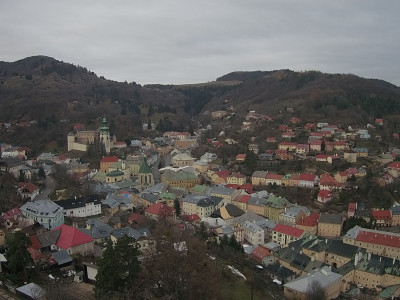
(340, 145)
(288, 135)
(285, 234)
(324, 196)
(274, 179)
(382, 217)
(9, 218)
(242, 202)
(309, 224)
(294, 180)
(194, 218)
(241, 157)
(308, 180)
(37, 257)
(315, 145)
(271, 140)
(106, 162)
(136, 218)
(159, 211)
(74, 241)
(302, 148)
(394, 169)
(236, 178)
(262, 255)
(327, 182)
(376, 242)
(379, 121)
(351, 210)
(289, 146)
(27, 190)
(294, 120)
(309, 126)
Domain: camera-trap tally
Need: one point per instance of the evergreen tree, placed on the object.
(118, 269)
(177, 207)
(18, 257)
(149, 125)
(41, 173)
(21, 176)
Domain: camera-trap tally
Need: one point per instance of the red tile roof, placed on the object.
(310, 221)
(191, 218)
(109, 159)
(352, 207)
(260, 253)
(308, 177)
(160, 209)
(11, 214)
(232, 186)
(35, 254)
(70, 237)
(394, 165)
(27, 186)
(244, 199)
(35, 244)
(246, 186)
(382, 214)
(378, 238)
(139, 219)
(324, 194)
(274, 176)
(289, 230)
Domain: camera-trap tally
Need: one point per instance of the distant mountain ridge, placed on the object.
(45, 89)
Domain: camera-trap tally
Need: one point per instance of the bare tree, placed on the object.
(315, 291)
(178, 267)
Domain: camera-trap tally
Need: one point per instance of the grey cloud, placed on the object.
(173, 41)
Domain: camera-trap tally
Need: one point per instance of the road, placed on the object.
(48, 190)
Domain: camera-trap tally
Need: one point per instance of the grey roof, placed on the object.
(279, 271)
(221, 190)
(150, 197)
(260, 174)
(115, 200)
(395, 210)
(331, 218)
(253, 227)
(322, 275)
(194, 198)
(265, 223)
(257, 201)
(62, 257)
(209, 201)
(45, 208)
(295, 210)
(133, 233)
(48, 238)
(339, 248)
(156, 189)
(249, 249)
(31, 290)
(247, 216)
(98, 229)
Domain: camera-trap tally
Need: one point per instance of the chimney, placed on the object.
(394, 260)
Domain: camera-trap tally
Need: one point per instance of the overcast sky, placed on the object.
(171, 41)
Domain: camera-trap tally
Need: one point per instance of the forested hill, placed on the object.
(55, 95)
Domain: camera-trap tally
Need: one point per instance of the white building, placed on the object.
(253, 233)
(45, 212)
(81, 207)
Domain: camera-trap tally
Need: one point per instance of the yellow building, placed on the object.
(180, 179)
(330, 225)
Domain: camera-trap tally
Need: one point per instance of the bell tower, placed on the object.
(105, 135)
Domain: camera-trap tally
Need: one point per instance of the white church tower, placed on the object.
(105, 135)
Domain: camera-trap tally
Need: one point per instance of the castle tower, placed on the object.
(105, 135)
(70, 141)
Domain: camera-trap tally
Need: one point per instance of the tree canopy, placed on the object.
(118, 269)
(18, 257)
